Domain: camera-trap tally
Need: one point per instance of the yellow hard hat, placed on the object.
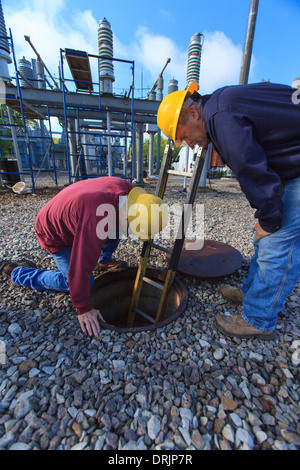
(170, 109)
(147, 214)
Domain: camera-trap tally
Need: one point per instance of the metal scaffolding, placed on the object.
(27, 161)
(97, 125)
(104, 126)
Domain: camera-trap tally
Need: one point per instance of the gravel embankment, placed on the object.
(181, 387)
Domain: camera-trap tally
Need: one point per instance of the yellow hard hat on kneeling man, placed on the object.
(147, 214)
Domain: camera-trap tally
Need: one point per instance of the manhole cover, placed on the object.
(214, 260)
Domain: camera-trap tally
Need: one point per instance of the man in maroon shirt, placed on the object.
(75, 226)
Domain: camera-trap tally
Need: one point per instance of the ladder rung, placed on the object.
(152, 283)
(186, 174)
(161, 248)
(160, 190)
(144, 315)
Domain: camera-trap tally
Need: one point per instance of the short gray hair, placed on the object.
(194, 100)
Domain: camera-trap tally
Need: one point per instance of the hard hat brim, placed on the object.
(133, 195)
(193, 86)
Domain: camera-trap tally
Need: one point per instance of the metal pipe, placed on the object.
(86, 146)
(14, 139)
(158, 141)
(125, 149)
(133, 151)
(109, 155)
(23, 114)
(139, 156)
(27, 38)
(151, 154)
(186, 166)
(65, 115)
(249, 42)
(54, 165)
(133, 147)
(72, 149)
(40, 73)
(159, 76)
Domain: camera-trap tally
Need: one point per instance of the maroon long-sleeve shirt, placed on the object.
(73, 218)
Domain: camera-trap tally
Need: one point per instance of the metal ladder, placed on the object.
(175, 253)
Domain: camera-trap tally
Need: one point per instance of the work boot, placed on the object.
(236, 327)
(232, 294)
(112, 265)
(7, 267)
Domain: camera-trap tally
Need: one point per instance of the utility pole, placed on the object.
(249, 42)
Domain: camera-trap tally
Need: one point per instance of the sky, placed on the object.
(150, 32)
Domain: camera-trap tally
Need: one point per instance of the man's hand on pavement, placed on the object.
(89, 322)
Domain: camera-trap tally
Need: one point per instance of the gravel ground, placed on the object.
(181, 387)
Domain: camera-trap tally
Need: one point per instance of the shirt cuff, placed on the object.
(82, 310)
(267, 227)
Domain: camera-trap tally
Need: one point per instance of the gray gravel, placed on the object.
(181, 387)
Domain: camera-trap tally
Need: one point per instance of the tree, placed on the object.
(163, 143)
(6, 146)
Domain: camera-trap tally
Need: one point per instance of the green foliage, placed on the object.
(163, 143)
(6, 146)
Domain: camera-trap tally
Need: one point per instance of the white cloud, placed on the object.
(153, 50)
(49, 29)
(49, 32)
(221, 62)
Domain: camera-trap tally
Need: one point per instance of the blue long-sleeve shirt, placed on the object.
(256, 130)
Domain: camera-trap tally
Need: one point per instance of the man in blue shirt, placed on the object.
(256, 130)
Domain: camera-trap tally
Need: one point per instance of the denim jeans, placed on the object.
(56, 280)
(275, 266)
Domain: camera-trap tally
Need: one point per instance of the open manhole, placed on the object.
(112, 292)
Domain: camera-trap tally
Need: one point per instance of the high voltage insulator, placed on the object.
(4, 49)
(26, 73)
(194, 58)
(105, 47)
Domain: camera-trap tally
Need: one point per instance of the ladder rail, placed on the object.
(164, 298)
(138, 283)
(177, 249)
(192, 192)
(160, 190)
(163, 175)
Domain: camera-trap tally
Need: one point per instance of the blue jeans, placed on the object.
(275, 266)
(57, 280)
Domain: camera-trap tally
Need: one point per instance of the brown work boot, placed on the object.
(236, 327)
(111, 266)
(232, 294)
(7, 267)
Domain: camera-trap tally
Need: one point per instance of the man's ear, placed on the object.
(193, 113)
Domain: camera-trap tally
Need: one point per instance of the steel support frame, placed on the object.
(26, 136)
(96, 110)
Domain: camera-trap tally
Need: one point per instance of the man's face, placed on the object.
(192, 131)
